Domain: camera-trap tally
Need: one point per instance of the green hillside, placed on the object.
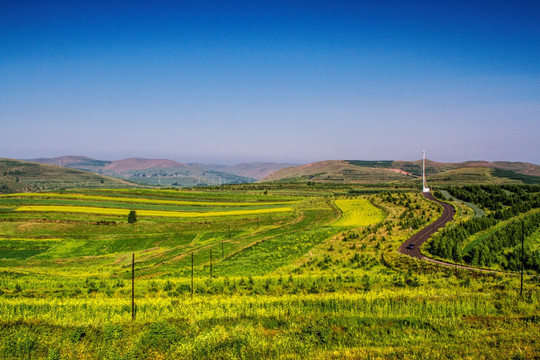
(22, 176)
(409, 173)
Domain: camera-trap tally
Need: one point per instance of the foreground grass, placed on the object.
(296, 284)
(410, 323)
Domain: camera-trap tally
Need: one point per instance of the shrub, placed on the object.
(132, 217)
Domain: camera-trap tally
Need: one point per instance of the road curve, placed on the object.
(423, 235)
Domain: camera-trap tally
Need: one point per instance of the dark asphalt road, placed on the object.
(423, 235)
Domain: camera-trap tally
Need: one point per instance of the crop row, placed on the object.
(149, 213)
(135, 200)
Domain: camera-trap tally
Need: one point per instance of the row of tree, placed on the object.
(503, 246)
(497, 198)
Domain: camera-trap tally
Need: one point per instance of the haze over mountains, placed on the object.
(168, 172)
(82, 172)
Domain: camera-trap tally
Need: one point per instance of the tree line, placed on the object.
(501, 247)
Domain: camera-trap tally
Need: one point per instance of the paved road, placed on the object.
(423, 235)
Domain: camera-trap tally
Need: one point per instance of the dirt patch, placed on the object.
(399, 171)
(120, 259)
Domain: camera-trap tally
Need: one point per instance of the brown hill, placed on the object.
(518, 167)
(360, 171)
(138, 164)
(256, 170)
(337, 171)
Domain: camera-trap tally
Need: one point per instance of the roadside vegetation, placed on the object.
(512, 214)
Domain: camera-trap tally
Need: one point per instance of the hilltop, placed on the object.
(363, 171)
(255, 170)
(22, 176)
(168, 172)
(140, 164)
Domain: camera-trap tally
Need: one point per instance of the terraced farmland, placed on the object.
(281, 274)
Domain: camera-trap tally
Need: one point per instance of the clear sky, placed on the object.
(289, 81)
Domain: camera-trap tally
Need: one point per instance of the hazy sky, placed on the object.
(291, 81)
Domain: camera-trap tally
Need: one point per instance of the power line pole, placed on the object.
(522, 254)
(133, 287)
(210, 263)
(191, 276)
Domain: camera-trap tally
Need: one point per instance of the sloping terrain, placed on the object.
(138, 164)
(75, 162)
(337, 171)
(256, 170)
(362, 171)
(20, 176)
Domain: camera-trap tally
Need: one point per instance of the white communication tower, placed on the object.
(424, 184)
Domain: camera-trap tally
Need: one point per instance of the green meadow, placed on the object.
(247, 272)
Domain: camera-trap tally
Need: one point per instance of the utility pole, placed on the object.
(522, 254)
(210, 263)
(257, 221)
(191, 276)
(133, 287)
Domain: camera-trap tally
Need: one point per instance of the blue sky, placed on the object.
(290, 81)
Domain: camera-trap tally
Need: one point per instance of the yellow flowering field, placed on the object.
(358, 212)
(139, 200)
(150, 213)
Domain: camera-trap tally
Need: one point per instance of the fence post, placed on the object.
(522, 253)
(133, 287)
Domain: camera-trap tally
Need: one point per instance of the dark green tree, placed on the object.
(132, 217)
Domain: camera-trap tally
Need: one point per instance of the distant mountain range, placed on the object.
(84, 172)
(168, 172)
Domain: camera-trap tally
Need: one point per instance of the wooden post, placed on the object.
(522, 254)
(191, 276)
(133, 287)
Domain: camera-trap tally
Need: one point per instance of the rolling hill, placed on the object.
(168, 172)
(22, 176)
(138, 164)
(361, 171)
(256, 170)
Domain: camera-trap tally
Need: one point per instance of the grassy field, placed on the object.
(321, 279)
(358, 212)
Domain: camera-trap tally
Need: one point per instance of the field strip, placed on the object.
(150, 213)
(142, 200)
(2, 238)
(358, 212)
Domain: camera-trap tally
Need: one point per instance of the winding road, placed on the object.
(423, 235)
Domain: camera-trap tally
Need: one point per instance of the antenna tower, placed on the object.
(424, 184)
